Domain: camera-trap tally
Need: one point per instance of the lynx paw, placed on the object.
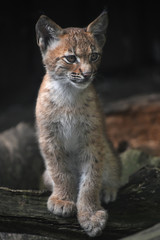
(109, 195)
(61, 207)
(93, 223)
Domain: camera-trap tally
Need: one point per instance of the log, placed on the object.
(137, 102)
(149, 234)
(135, 209)
(152, 233)
(134, 122)
(18, 236)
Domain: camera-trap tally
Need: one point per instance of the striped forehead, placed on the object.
(79, 42)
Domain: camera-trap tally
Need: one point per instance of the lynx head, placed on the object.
(71, 55)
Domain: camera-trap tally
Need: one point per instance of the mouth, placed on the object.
(81, 83)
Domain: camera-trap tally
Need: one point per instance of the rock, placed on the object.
(133, 160)
(21, 165)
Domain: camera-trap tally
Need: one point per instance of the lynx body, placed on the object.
(81, 167)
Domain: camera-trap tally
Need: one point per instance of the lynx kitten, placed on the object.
(81, 168)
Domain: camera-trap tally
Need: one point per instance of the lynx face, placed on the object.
(71, 55)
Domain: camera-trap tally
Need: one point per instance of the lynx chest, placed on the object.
(71, 130)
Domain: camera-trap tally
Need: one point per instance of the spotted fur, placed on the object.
(81, 166)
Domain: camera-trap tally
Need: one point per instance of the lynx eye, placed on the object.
(94, 57)
(70, 58)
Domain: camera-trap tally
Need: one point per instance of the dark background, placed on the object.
(131, 57)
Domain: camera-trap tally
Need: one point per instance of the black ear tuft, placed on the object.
(98, 27)
(46, 30)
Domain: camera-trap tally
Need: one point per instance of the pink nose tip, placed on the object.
(87, 75)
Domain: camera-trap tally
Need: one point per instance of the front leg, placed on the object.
(92, 217)
(111, 174)
(61, 206)
(63, 197)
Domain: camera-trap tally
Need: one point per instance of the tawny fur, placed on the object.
(81, 167)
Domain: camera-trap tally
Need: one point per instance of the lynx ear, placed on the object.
(46, 30)
(98, 27)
